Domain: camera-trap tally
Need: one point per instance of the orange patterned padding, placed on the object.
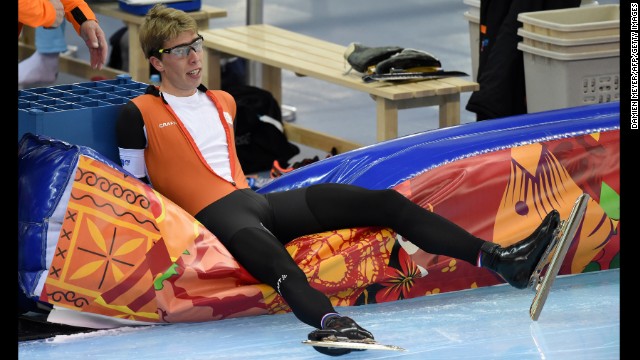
(126, 251)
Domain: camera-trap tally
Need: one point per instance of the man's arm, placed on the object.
(77, 12)
(85, 23)
(132, 141)
(36, 13)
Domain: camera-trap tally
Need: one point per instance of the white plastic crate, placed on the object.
(474, 7)
(570, 46)
(574, 23)
(555, 80)
(473, 17)
(474, 43)
(588, 3)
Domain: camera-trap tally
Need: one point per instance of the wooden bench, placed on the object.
(138, 64)
(276, 49)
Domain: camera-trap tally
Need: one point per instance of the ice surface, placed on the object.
(581, 320)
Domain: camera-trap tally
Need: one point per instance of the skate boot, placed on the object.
(339, 327)
(516, 263)
(361, 57)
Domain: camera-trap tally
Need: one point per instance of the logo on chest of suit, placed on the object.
(165, 124)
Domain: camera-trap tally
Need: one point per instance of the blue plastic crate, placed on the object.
(80, 113)
(192, 5)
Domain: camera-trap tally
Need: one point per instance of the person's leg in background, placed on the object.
(42, 66)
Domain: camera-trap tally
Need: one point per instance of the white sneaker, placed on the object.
(288, 113)
(38, 69)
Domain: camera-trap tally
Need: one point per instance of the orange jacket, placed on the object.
(174, 163)
(36, 13)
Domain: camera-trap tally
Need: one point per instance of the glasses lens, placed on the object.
(197, 45)
(181, 51)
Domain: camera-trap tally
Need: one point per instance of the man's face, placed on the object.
(181, 64)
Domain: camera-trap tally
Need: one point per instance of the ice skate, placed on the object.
(339, 329)
(409, 60)
(409, 65)
(362, 57)
(516, 263)
(548, 267)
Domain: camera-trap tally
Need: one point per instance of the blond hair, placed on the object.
(163, 23)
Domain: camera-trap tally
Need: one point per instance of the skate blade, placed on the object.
(354, 344)
(566, 235)
(545, 259)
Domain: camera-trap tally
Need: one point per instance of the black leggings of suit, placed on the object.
(255, 228)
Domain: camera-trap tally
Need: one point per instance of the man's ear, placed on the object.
(157, 63)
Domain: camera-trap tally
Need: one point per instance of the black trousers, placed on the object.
(255, 228)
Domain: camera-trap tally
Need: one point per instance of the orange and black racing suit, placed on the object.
(255, 227)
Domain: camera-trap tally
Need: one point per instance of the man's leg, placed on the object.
(340, 206)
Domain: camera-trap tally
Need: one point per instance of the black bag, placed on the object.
(259, 142)
(119, 44)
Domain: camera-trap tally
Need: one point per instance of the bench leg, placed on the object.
(138, 64)
(386, 119)
(213, 78)
(272, 81)
(449, 110)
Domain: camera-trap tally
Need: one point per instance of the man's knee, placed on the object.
(264, 256)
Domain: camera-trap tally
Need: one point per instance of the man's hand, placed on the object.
(57, 5)
(96, 41)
